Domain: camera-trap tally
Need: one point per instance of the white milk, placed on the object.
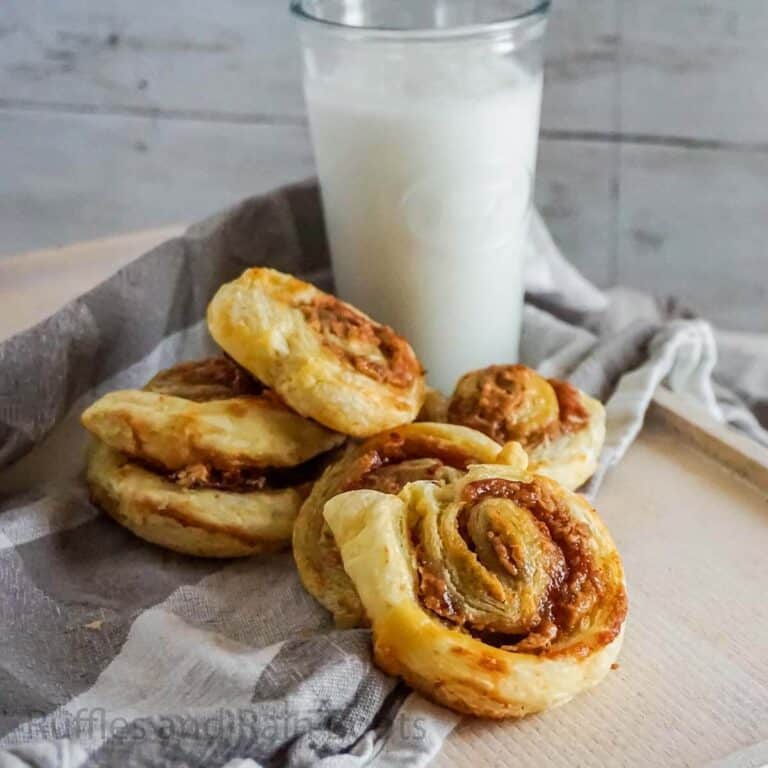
(426, 190)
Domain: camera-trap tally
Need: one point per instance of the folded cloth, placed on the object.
(726, 372)
(118, 653)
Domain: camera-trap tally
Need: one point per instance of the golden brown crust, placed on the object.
(206, 523)
(572, 416)
(435, 407)
(385, 462)
(210, 414)
(497, 594)
(326, 359)
(560, 427)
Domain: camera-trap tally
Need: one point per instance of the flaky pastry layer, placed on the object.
(203, 522)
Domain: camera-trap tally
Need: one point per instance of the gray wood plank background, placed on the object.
(653, 171)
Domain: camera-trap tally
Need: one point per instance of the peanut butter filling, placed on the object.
(244, 479)
(215, 378)
(392, 460)
(512, 402)
(453, 585)
(577, 583)
(374, 350)
(573, 415)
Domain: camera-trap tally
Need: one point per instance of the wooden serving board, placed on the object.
(688, 507)
(34, 285)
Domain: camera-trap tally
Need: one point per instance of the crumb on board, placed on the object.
(94, 625)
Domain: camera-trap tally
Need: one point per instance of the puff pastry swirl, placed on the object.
(560, 427)
(208, 522)
(208, 413)
(326, 359)
(425, 451)
(499, 594)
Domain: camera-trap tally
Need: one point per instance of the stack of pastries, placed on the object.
(449, 526)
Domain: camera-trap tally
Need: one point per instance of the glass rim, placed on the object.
(537, 11)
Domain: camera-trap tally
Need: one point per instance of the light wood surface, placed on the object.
(34, 285)
(727, 447)
(124, 116)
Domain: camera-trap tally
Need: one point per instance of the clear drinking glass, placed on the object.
(424, 117)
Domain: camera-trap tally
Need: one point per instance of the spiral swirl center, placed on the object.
(508, 562)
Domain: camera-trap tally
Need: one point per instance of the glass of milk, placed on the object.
(424, 116)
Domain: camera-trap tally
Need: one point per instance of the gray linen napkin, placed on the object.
(115, 652)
